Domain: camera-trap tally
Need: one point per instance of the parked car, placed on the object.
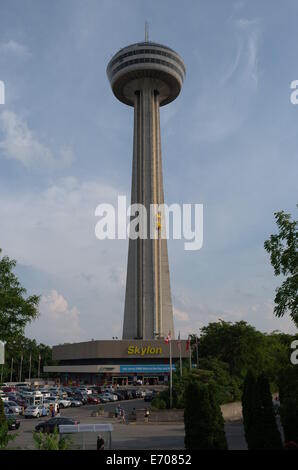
(74, 402)
(81, 397)
(12, 421)
(63, 402)
(85, 390)
(103, 398)
(149, 396)
(33, 412)
(110, 396)
(50, 425)
(93, 399)
(13, 407)
(119, 395)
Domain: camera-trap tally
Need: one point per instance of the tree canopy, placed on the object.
(16, 310)
(283, 249)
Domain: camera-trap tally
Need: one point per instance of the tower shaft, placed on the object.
(148, 306)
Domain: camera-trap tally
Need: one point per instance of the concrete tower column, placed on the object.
(148, 305)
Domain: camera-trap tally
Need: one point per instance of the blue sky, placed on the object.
(229, 142)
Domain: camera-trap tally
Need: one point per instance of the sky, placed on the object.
(229, 142)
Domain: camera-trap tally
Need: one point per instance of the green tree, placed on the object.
(237, 344)
(248, 399)
(50, 441)
(283, 249)
(16, 310)
(288, 394)
(204, 425)
(4, 436)
(259, 418)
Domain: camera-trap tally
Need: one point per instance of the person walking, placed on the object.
(100, 443)
(123, 416)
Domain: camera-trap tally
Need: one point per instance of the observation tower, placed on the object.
(147, 75)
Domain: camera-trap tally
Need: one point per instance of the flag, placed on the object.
(168, 338)
(179, 341)
(188, 343)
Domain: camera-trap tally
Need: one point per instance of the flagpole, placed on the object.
(20, 372)
(180, 355)
(11, 367)
(190, 364)
(38, 373)
(30, 360)
(171, 375)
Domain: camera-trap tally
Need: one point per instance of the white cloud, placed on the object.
(180, 315)
(58, 322)
(14, 48)
(226, 98)
(21, 144)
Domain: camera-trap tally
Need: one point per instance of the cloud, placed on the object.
(226, 98)
(14, 48)
(57, 236)
(180, 315)
(21, 144)
(58, 322)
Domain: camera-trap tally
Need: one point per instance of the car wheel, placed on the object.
(38, 415)
(61, 406)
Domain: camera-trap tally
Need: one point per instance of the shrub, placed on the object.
(158, 403)
(50, 441)
(204, 425)
(260, 425)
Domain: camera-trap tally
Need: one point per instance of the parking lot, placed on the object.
(130, 435)
(124, 436)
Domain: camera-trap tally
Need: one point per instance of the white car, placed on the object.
(33, 412)
(85, 390)
(109, 396)
(13, 407)
(63, 403)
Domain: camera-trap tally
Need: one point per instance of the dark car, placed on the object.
(81, 397)
(149, 396)
(134, 393)
(12, 421)
(50, 425)
(119, 395)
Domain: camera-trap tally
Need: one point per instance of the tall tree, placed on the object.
(204, 425)
(248, 399)
(283, 249)
(16, 310)
(260, 425)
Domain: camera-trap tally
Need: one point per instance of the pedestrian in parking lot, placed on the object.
(116, 412)
(123, 416)
(58, 409)
(100, 443)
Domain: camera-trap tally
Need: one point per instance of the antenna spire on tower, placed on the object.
(146, 31)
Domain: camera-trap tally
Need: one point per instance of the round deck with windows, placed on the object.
(131, 65)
